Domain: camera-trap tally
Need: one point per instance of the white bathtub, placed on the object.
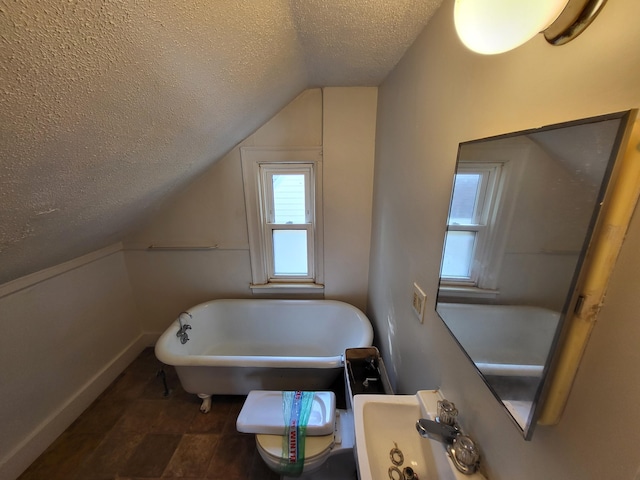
(506, 340)
(236, 346)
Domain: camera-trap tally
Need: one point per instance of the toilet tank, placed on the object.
(364, 372)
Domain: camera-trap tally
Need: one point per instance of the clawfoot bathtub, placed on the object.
(236, 346)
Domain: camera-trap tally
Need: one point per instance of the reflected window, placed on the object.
(471, 217)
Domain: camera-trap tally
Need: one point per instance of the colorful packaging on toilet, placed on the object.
(296, 407)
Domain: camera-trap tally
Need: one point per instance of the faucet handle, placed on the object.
(447, 412)
(464, 454)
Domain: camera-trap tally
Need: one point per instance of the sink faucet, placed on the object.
(461, 448)
(445, 427)
(182, 331)
(428, 428)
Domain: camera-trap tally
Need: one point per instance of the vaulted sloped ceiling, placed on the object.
(106, 108)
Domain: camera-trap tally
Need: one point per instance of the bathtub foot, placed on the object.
(206, 402)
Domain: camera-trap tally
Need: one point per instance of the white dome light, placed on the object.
(496, 26)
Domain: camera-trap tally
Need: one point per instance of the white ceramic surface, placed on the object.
(236, 346)
(326, 458)
(386, 422)
(485, 330)
(262, 412)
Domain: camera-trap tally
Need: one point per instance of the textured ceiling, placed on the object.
(106, 108)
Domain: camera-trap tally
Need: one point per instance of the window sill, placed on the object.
(450, 291)
(269, 288)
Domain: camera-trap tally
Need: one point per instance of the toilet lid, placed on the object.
(262, 412)
(313, 446)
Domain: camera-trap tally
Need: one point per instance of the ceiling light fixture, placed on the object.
(497, 26)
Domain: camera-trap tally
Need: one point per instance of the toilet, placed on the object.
(328, 443)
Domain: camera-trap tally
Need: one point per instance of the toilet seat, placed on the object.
(262, 415)
(317, 450)
(313, 446)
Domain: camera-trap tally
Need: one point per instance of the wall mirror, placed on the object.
(523, 212)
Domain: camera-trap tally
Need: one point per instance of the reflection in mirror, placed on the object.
(523, 209)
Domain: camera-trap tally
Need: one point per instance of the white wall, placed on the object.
(551, 215)
(211, 211)
(439, 95)
(67, 332)
(349, 126)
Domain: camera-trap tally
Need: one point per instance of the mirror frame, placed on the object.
(619, 193)
(619, 203)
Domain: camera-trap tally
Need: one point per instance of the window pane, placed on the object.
(290, 252)
(458, 254)
(288, 198)
(465, 198)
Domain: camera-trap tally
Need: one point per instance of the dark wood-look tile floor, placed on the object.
(132, 431)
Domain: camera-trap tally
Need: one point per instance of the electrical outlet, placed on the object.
(418, 303)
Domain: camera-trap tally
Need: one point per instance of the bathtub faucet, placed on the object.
(182, 331)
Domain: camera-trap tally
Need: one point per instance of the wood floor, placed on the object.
(132, 431)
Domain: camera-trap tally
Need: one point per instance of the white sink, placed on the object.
(387, 422)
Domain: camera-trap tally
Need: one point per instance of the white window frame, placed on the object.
(481, 225)
(258, 164)
(267, 171)
(491, 217)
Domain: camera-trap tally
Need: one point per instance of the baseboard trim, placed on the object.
(18, 459)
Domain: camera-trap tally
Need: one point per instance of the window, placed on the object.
(283, 193)
(287, 201)
(470, 227)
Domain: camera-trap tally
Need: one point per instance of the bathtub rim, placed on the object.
(495, 367)
(164, 354)
(251, 361)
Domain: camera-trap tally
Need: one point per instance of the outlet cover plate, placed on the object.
(418, 302)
